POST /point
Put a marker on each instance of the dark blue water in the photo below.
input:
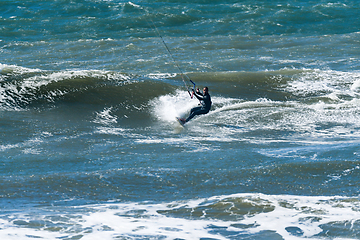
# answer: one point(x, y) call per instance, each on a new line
point(90, 148)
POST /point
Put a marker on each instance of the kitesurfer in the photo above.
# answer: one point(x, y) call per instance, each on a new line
point(205, 104)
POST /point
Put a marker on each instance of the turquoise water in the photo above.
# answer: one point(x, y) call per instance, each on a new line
point(90, 148)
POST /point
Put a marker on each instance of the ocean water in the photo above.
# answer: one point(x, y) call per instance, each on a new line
point(89, 144)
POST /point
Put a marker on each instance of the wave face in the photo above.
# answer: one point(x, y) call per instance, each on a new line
point(298, 99)
point(25, 89)
point(89, 144)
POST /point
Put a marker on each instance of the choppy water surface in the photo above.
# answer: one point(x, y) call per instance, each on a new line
point(90, 148)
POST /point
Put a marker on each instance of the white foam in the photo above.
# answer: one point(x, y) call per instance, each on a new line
point(6, 69)
point(161, 75)
point(134, 5)
point(112, 131)
point(325, 83)
point(200, 218)
point(167, 107)
point(355, 86)
point(104, 117)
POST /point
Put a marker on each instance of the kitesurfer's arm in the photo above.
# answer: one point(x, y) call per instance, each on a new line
point(198, 95)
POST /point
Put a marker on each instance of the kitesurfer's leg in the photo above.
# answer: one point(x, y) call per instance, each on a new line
point(192, 113)
point(196, 111)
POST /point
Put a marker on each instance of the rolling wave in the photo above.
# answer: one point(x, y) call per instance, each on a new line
point(283, 96)
point(22, 88)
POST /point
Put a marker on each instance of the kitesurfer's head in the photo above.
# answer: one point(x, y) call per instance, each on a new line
point(206, 90)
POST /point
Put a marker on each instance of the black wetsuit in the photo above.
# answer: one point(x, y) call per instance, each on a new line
point(205, 102)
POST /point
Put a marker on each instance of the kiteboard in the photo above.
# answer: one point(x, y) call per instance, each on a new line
point(182, 123)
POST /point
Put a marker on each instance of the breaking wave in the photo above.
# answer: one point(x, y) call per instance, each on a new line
point(220, 217)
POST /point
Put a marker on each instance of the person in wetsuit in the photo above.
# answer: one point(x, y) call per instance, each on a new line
point(205, 104)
